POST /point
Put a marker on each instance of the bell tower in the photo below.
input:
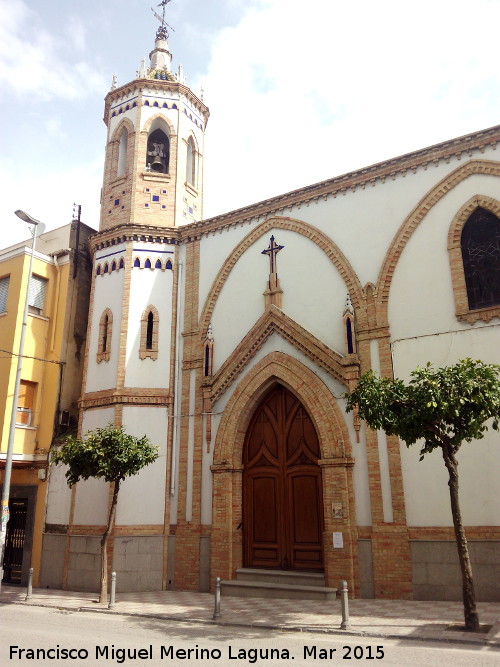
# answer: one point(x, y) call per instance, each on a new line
point(153, 171)
point(153, 184)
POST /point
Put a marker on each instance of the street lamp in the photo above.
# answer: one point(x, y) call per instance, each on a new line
point(40, 227)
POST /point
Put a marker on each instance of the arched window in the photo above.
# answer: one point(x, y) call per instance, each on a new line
point(122, 153)
point(158, 264)
point(191, 162)
point(137, 263)
point(105, 331)
point(147, 264)
point(149, 334)
point(106, 268)
point(113, 266)
point(158, 151)
point(168, 264)
point(98, 271)
point(122, 264)
point(349, 326)
point(480, 244)
point(350, 346)
point(208, 352)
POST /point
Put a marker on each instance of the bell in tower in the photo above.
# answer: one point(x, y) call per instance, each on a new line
point(158, 152)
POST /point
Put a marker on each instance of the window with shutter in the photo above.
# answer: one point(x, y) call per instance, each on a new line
point(36, 296)
point(26, 403)
point(4, 291)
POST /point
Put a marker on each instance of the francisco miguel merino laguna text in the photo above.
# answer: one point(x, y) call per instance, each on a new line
point(120, 655)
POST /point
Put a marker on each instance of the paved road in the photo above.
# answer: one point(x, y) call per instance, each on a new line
point(97, 639)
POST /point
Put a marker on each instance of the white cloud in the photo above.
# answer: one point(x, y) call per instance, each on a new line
point(49, 195)
point(38, 64)
point(300, 93)
point(76, 33)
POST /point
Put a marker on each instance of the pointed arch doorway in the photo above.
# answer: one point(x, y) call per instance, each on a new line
point(282, 486)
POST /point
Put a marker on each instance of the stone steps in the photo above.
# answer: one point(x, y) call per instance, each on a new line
point(278, 584)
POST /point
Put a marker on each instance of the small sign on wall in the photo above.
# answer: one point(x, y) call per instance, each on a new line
point(338, 541)
point(337, 511)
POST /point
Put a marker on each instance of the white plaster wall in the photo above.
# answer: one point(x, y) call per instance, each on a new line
point(58, 496)
point(91, 502)
point(215, 248)
point(424, 328)
point(383, 455)
point(347, 219)
point(108, 293)
point(426, 482)
point(277, 343)
point(173, 115)
point(150, 287)
point(421, 298)
point(313, 293)
point(142, 497)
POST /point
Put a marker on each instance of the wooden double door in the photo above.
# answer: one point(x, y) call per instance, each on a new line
point(282, 488)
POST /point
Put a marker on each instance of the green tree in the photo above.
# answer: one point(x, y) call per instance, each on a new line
point(107, 453)
point(441, 408)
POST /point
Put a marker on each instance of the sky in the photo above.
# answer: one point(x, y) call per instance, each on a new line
point(298, 92)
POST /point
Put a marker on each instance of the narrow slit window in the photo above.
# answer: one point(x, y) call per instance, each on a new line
point(105, 330)
point(149, 334)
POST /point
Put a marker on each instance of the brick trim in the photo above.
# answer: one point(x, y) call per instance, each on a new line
point(412, 221)
point(144, 351)
point(377, 173)
point(126, 396)
point(275, 321)
point(447, 533)
point(333, 252)
point(336, 463)
point(462, 310)
point(105, 333)
point(171, 128)
point(124, 122)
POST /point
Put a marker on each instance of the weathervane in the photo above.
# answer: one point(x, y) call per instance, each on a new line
point(162, 32)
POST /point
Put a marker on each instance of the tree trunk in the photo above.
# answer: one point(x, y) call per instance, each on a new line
point(103, 595)
point(469, 596)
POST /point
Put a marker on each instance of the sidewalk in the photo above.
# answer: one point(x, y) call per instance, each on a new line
point(371, 618)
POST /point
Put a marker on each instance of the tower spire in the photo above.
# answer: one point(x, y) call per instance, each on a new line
point(160, 57)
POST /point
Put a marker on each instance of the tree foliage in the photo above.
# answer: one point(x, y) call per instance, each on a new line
point(442, 408)
point(111, 454)
point(107, 453)
point(446, 405)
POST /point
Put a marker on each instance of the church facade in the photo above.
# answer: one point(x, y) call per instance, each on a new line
point(231, 341)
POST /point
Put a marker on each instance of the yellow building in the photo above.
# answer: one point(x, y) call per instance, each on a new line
point(50, 378)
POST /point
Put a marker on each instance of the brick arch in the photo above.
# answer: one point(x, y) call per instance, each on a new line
point(462, 310)
point(333, 252)
point(195, 141)
point(486, 167)
point(168, 123)
point(124, 123)
point(336, 464)
point(301, 381)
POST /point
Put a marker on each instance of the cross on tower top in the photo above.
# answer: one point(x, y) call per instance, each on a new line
point(272, 250)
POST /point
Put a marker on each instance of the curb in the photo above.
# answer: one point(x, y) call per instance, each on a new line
point(493, 643)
